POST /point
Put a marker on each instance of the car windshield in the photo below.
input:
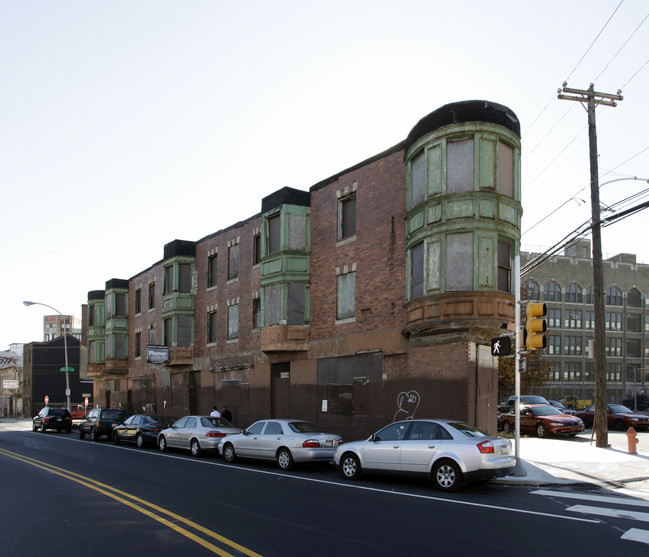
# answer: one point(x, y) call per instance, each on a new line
point(546, 411)
point(213, 421)
point(468, 430)
point(113, 415)
point(304, 427)
point(619, 409)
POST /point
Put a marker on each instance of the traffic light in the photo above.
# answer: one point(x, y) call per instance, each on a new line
point(535, 326)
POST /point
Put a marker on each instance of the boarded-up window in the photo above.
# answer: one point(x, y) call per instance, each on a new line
point(417, 271)
point(459, 166)
point(168, 330)
point(346, 296)
point(169, 279)
point(297, 232)
point(184, 336)
point(120, 346)
point(418, 174)
point(271, 305)
point(505, 169)
point(233, 262)
point(233, 321)
point(459, 262)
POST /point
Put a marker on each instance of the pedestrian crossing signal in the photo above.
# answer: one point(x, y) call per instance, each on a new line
point(501, 346)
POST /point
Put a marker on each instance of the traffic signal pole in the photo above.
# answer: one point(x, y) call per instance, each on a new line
point(519, 469)
point(591, 99)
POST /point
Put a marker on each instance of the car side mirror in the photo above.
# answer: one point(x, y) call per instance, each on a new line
point(245, 432)
point(373, 438)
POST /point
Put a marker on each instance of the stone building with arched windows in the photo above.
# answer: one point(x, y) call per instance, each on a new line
point(565, 284)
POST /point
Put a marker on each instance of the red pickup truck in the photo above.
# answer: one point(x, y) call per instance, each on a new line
point(78, 413)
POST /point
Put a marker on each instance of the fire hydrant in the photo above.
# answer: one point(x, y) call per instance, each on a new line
point(632, 440)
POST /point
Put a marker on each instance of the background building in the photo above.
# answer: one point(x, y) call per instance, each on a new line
point(564, 283)
point(55, 325)
point(370, 298)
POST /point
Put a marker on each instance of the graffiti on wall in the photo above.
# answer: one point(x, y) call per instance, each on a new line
point(407, 404)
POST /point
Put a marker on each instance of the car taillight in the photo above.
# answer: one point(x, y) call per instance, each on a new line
point(155, 429)
point(46, 419)
point(486, 447)
point(215, 434)
point(311, 443)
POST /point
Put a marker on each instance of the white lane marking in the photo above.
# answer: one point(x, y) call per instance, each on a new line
point(636, 535)
point(595, 498)
point(615, 513)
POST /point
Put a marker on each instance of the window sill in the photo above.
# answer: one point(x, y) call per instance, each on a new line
point(345, 321)
point(345, 241)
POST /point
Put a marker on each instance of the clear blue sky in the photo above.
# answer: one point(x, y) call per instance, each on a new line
point(127, 124)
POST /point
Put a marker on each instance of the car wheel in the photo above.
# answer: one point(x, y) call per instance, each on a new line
point(284, 459)
point(541, 430)
point(350, 466)
point(162, 444)
point(139, 441)
point(82, 434)
point(43, 428)
point(619, 425)
point(195, 448)
point(68, 429)
point(228, 453)
point(93, 435)
point(34, 427)
point(447, 475)
point(507, 427)
point(115, 438)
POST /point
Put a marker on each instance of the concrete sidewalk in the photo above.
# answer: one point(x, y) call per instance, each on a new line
point(577, 460)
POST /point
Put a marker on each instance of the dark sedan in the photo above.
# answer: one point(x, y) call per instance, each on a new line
point(141, 429)
point(618, 416)
point(544, 420)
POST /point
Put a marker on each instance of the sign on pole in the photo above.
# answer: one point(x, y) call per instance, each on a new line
point(47, 399)
point(501, 346)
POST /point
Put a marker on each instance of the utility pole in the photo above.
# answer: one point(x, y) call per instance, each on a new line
point(590, 99)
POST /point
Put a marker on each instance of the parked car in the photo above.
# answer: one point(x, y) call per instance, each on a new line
point(561, 407)
point(141, 429)
point(100, 422)
point(544, 420)
point(52, 418)
point(450, 452)
point(285, 441)
point(618, 417)
point(574, 403)
point(196, 434)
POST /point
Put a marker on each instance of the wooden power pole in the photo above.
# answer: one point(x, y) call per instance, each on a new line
point(590, 99)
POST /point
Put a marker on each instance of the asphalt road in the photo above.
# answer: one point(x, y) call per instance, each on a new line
point(61, 495)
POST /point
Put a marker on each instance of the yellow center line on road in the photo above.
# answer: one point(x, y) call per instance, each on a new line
point(138, 505)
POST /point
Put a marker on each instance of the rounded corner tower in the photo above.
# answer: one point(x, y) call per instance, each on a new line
point(463, 221)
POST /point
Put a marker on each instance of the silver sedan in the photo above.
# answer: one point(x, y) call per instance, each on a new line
point(448, 451)
point(196, 434)
point(285, 441)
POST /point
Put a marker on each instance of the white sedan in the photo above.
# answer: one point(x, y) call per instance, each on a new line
point(285, 441)
point(448, 451)
point(196, 434)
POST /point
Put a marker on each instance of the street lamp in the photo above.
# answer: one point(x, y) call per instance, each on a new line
point(65, 348)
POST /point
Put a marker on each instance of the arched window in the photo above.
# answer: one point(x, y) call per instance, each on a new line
point(574, 293)
point(634, 298)
point(613, 296)
point(552, 292)
point(532, 290)
point(590, 295)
